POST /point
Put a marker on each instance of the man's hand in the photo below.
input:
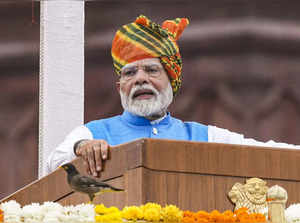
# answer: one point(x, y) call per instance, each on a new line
point(93, 152)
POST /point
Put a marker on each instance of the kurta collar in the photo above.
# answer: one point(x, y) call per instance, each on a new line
point(139, 120)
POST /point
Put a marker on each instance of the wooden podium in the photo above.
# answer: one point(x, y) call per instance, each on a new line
point(191, 175)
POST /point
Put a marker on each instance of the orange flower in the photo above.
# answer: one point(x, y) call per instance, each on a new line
point(188, 219)
point(202, 214)
point(229, 219)
point(228, 213)
point(239, 216)
point(241, 210)
point(215, 216)
point(202, 220)
point(259, 217)
point(242, 215)
point(1, 216)
point(188, 214)
point(229, 216)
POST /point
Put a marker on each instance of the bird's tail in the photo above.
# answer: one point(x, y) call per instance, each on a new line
point(116, 189)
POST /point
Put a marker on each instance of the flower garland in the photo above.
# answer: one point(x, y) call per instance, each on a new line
point(152, 212)
point(50, 212)
point(149, 212)
point(240, 215)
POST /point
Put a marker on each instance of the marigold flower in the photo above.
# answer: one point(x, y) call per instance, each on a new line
point(100, 209)
point(228, 216)
point(229, 219)
point(1, 216)
point(152, 214)
point(215, 216)
point(228, 213)
point(132, 213)
point(112, 217)
point(188, 219)
point(188, 214)
point(171, 213)
point(202, 214)
point(151, 205)
point(259, 217)
point(247, 218)
point(241, 210)
point(201, 220)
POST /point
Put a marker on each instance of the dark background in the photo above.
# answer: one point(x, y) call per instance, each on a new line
point(240, 70)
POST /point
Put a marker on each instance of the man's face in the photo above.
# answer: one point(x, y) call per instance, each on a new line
point(145, 88)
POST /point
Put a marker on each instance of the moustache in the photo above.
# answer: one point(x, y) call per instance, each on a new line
point(143, 90)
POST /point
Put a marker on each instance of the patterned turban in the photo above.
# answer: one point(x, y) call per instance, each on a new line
point(145, 39)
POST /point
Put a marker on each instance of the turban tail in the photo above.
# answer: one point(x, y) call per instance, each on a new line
point(145, 39)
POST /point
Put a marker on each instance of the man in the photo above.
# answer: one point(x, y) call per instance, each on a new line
point(146, 57)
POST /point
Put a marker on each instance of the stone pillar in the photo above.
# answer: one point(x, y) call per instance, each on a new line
point(61, 103)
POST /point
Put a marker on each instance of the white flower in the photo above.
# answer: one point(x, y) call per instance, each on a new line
point(52, 206)
point(32, 213)
point(10, 206)
point(49, 212)
point(292, 213)
point(86, 210)
point(53, 216)
point(12, 211)
point(83, 213)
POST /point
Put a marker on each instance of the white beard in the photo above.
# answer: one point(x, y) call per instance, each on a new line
point(155, 106)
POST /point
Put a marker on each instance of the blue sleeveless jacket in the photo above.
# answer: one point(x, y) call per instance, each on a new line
point(128, 127)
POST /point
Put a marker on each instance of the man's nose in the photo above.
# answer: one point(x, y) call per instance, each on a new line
point(141, 77)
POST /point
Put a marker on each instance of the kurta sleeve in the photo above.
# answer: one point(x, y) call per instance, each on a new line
point(64, 152)
point(220, 135)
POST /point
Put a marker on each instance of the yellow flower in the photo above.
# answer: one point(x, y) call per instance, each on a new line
point(151, 205)
point(111, 218)
point(132, 213)
point(152, 214)
point(112, 209)
point(99, 218)
point(171, 213)
point(101, 209)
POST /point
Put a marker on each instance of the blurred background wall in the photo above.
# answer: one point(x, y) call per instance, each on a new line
point(240, 70)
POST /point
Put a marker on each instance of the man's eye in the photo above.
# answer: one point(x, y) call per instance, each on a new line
point(151, 69)
point(129, 72)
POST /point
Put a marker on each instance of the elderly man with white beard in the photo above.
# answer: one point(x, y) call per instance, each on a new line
point(146, 57)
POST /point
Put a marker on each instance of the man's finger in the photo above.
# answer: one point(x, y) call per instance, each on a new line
point(104, 149)
point(97, 150)
point(91, 160)
point(84, 156)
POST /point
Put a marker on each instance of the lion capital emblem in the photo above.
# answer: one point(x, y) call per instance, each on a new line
point(252, 195)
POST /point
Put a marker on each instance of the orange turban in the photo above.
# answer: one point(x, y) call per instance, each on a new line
point(145, 39)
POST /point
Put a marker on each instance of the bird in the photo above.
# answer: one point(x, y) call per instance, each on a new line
point(86, 184)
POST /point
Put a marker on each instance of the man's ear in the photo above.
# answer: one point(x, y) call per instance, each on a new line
point(118, 86)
